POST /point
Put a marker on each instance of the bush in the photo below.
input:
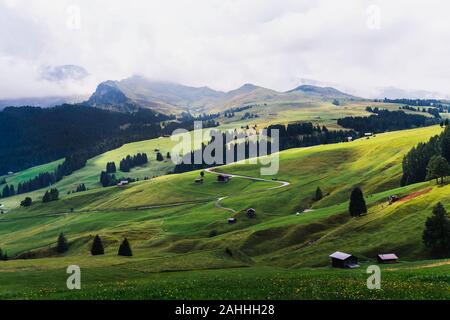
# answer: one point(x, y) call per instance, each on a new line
point(26, 202)
point(212, 233)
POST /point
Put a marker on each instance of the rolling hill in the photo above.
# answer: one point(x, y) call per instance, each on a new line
point(170, 222)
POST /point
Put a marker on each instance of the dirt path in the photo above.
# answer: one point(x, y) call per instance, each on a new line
point(415, 195)
point(217, 203)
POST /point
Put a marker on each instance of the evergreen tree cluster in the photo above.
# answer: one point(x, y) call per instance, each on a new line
point(107, 179)
point(413, 102)
point(385, 120)
point(8, 191)
point(81, 188)
point(91, 130)
point(230, 113)
point(45, 179)
point(50, 195)
point(111, 167)
point(98, 249)
point(129, 162)
point(417, 160)
point(290, 136)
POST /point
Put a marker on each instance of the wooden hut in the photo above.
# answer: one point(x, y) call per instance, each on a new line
point(387, 258)
point(343, 260)
point(123, 183)
point(223, 178)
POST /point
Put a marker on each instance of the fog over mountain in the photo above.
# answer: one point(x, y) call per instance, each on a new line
point(359, 45)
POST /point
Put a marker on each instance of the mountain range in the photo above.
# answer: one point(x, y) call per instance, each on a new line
point(136, 92)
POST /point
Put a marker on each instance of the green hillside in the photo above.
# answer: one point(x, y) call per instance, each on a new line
point(175, 224)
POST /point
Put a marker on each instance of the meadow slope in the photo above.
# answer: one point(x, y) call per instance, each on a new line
point(175, 224)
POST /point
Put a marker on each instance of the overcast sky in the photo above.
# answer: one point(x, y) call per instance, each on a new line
point(223, 44)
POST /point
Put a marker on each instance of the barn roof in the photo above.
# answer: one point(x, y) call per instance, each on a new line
point(340, 255)
point(388, 256)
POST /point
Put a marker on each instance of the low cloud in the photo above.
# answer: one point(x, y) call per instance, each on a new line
point(358, 45)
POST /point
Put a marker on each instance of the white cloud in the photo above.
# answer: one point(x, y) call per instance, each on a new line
point(225, 43)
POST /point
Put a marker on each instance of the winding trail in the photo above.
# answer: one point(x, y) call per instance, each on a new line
point(217, 203)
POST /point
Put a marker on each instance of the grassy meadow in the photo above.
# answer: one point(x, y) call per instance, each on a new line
point(176, 225)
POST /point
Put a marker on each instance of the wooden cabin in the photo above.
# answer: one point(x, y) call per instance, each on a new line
point(199, 181)
point(223, 178)
point(123, 183)
point(387, 258)
point(343, 260)
point(232, 220)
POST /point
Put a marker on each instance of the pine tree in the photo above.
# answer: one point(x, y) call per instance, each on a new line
point(159, 157)
point(1, 254)
point(62, 245)
point(125, 249)
point(436, 235)
point(319, 195)
point(54, 194)
point(445, 143)
point(97, 246)
point(111, 167)
point(438, 167)
point(5, 192)
point(357, 204)
point(47, 197)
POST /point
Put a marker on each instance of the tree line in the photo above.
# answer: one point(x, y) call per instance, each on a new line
point(291, 136)
point(412, 102)
point(32, 136)
point(385, 120)
point(45, 179)
point(130, 162)
point(428, 160)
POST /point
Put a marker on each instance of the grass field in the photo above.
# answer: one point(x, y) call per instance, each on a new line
point(278, 254)
point(422, 280)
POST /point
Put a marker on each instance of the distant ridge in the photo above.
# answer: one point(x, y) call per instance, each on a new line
point(322, 91)
point(130, 94)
